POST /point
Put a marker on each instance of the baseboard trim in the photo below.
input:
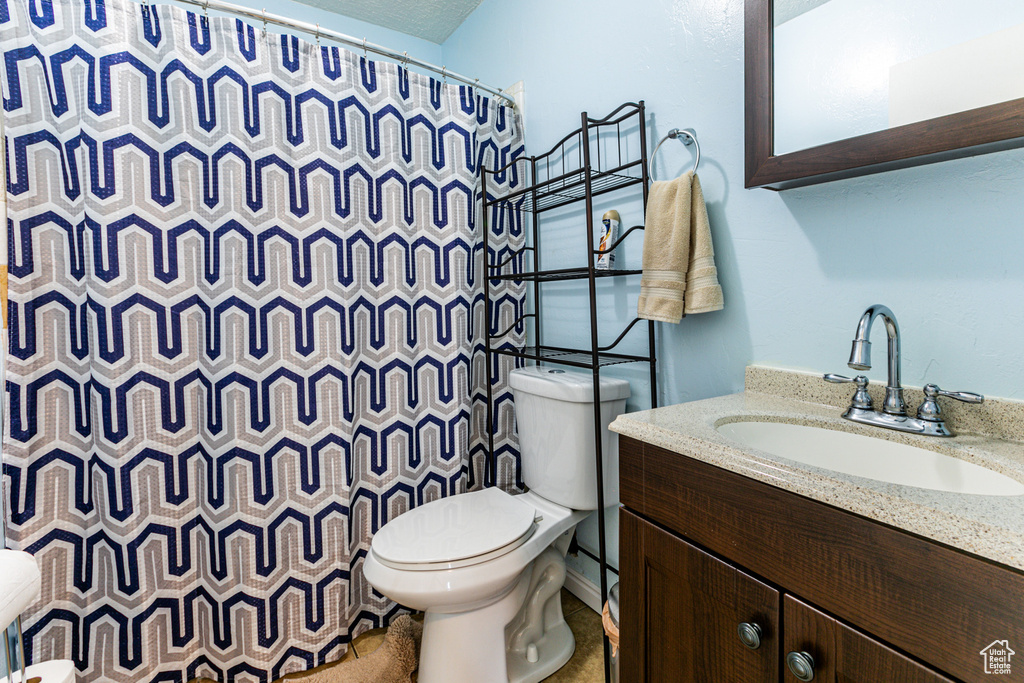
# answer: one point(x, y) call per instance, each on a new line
point(584, 589)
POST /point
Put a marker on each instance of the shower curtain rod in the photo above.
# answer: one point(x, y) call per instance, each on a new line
point(316, 30)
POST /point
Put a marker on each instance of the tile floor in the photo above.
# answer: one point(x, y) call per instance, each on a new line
point(586, 665)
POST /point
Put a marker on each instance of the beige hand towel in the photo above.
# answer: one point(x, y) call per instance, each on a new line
point(679, 261)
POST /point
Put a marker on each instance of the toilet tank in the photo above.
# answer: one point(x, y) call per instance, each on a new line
point(555, 418)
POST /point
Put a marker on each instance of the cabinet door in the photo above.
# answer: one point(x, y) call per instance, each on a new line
point(681, 611)
point(841, 654)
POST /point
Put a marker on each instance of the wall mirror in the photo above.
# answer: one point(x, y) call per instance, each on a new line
point(839, 88)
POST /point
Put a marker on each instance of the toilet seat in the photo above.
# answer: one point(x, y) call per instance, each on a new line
point(457, 531)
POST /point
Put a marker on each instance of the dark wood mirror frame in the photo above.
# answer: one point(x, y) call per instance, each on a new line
point(977, 131)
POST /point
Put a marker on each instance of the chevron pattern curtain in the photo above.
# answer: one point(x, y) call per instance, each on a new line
point(246, 329)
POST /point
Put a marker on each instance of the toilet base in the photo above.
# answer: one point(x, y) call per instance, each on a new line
point(538, 641)
point(494, 644)
point(554, 650)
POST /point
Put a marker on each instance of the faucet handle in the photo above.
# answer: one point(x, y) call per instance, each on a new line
point(930, 410)
point(931, 391)
point(861, 399)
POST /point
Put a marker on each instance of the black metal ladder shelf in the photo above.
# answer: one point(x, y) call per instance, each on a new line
point(578, 168)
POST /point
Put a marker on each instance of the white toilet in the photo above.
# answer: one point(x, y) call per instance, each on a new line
point(487, 567)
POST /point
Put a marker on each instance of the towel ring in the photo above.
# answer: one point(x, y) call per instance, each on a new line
point(689, 136)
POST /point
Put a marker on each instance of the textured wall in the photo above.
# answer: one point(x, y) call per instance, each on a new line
point(942, 245)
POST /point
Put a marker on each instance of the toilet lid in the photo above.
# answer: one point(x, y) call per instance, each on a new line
point(455, 528)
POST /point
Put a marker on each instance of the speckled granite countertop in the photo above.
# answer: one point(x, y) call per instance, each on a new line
point(988, 526)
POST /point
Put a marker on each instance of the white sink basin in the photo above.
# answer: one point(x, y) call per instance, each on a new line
point(864, 456)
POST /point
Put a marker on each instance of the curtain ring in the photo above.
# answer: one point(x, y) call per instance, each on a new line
point(317, 33)
point(444, 74)
point(264, 22)
point(206, 12)
point(366, 57)
point(406, 60)
point(504, 102)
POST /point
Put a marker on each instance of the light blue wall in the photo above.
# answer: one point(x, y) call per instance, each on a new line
point(942, 245)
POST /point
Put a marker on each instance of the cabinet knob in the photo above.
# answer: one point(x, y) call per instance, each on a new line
point(801, 665)
point(750, 634)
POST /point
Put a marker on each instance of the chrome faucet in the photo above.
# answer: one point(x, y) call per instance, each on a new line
point(860, 355)
point(893, 415)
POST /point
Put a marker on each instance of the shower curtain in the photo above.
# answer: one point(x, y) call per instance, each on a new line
point(246, 329)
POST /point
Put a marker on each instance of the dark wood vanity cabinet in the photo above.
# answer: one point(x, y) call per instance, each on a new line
point(704, 551)
point(676, 591)
point(842, 654)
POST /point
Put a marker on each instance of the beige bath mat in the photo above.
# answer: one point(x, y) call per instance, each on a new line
point(392, 662)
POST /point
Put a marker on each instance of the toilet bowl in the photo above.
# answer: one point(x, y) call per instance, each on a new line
point(487, 567)
point(470, 600)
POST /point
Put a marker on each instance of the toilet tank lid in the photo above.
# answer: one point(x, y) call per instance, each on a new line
point(566, 385)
